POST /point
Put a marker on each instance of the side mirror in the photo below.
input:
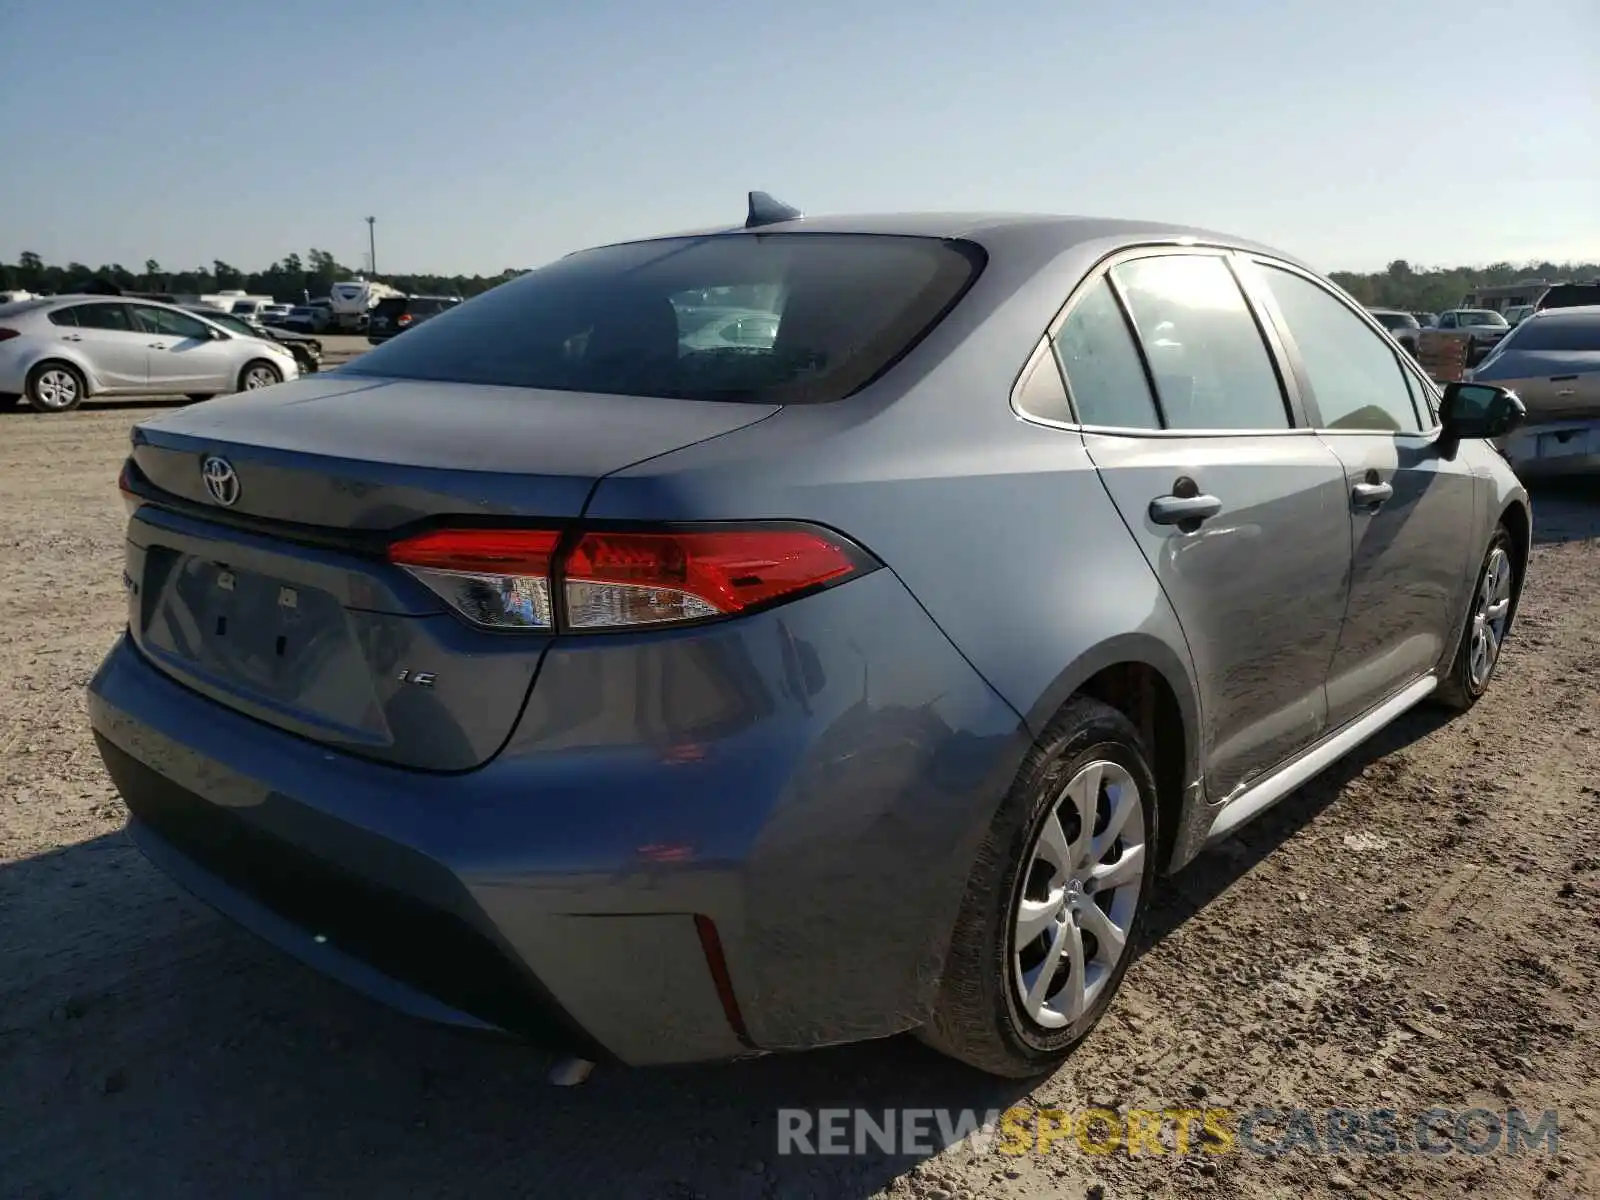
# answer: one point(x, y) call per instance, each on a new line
point(1477, 411)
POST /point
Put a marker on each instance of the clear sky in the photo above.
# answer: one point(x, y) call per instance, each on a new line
point(491, 133)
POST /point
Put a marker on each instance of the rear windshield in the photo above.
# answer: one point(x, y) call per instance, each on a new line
point(389, 306)
point(1396, 320)
point(1570, 295)
point(631, 320)
point(1479, 316)
point(1555, 333)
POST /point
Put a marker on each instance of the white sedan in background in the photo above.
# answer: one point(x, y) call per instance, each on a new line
point(57, 351)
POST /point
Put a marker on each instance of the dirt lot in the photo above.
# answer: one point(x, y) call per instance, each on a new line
point(1419, 927)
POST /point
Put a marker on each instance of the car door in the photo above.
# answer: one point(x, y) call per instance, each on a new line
point(1411, 510)
point(184, 355)
point(1239, 511)
point(116, 350)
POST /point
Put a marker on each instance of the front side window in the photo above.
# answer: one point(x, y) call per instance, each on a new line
point(168, 323)
point(616, 319)
point(1210, 363)
point(104, 316)
point(231, 323)
point(1105, 378)
point(1355, 377)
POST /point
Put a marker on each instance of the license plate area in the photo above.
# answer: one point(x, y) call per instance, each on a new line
point(1566, 442)
point(255, 631)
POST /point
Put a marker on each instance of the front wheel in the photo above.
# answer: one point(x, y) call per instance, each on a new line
point(257, 375)
point(1488, 620)
point(54, 387)
point(1055, 902)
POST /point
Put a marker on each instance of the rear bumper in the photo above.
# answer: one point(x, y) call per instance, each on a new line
point(813, 780)
point(1553, 449)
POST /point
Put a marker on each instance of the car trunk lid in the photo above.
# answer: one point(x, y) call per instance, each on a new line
point(280, 604)
point(1554, 385)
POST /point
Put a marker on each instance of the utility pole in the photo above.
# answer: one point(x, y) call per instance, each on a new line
point(372, 245)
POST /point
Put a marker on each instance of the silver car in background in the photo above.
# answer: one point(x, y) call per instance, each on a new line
point(57, 351)
point(1552, 361)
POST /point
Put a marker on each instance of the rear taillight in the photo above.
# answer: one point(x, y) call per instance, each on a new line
point(499, 578)
point(404, 319)
point(623, 579)
point(130, 499)
point(7, 334)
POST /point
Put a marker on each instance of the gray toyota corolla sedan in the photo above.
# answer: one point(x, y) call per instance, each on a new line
point(552, 670)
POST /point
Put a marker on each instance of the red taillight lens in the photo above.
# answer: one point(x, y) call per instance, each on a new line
point(497, 578)
point(619, 579)
point(7, 334)
point(505, 579)
point(405, 319)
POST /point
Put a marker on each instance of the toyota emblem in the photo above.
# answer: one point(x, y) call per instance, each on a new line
point(221, 480)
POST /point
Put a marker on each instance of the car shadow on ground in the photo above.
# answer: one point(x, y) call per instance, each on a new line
point(94, 404)
point(150, 1048)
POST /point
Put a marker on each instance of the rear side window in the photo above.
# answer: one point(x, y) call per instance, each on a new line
point(103, 316)
point(1355, 377)
point(833, 312)
point(64, 316)
point(1211, 366)
point(1105, 378)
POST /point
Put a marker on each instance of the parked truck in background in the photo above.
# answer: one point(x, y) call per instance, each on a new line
point(354, 299)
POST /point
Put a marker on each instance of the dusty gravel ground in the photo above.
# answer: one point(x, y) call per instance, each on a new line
point(1419, 927)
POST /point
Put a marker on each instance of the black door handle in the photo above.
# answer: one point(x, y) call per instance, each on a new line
point(1184, 510)
point(1367, 495)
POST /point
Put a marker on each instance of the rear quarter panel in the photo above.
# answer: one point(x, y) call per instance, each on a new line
point(1000, 528)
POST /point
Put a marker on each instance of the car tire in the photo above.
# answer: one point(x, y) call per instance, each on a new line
point(55, 387)
point(258, 373)
point(1490, 608)
point(992, 1012)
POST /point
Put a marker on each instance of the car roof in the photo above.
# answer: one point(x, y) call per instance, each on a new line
point(1039, 234)
point(1581, 312)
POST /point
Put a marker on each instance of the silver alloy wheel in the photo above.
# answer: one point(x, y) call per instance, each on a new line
point(259, 377)
point(56, 388)
point(1079, 895)
point(1490, 611)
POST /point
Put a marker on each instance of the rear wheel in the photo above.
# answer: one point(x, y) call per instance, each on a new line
point(1487, 622)
point(1056, 901)
point(55, 387)
point(259, 374)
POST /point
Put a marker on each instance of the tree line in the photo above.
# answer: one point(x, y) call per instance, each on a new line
point(291, 281)
point(295, 279)
point(1431, 289)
